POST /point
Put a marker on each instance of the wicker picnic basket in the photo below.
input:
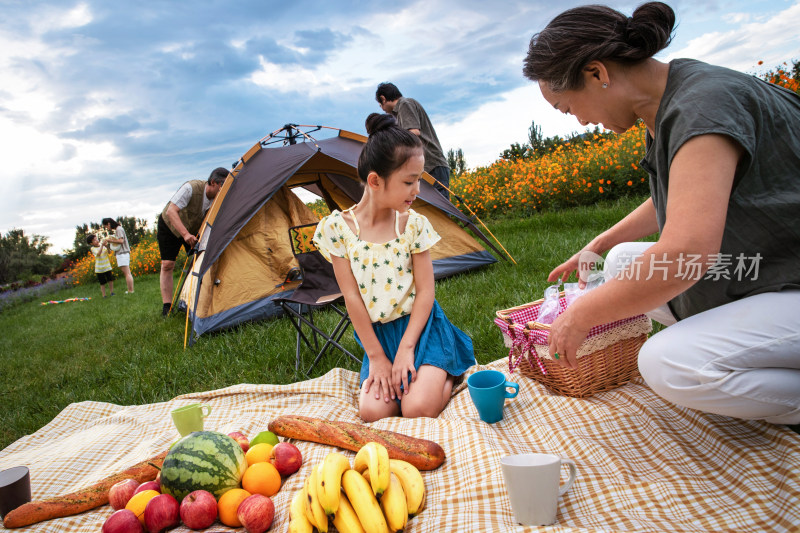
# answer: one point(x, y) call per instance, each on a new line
point(607, 358)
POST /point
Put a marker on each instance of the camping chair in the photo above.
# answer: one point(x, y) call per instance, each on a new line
point(317, 290)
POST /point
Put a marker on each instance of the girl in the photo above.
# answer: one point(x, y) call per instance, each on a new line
point(379, 249)
point(124, 251)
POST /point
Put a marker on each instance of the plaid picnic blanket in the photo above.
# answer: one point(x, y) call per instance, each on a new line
point(643, 464)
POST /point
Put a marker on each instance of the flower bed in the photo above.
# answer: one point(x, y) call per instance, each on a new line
point(578, 173)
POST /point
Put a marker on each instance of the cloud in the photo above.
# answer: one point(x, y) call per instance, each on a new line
point(132, 99)
point(771, 39)
point(59, 18)
point(485, 132)
point(106, 127)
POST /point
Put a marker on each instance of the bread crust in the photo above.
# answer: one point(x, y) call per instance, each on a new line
point(81, 500)
point(424, 454)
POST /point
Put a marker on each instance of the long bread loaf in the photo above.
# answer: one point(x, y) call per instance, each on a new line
point(424, 454)
point(81, 500)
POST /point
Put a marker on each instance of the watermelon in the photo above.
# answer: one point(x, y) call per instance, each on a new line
point(203, 460)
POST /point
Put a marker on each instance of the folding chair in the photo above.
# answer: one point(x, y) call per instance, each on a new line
point(317, 290)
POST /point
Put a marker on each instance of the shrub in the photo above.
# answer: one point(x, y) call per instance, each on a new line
point(17, 293)
point(580, 172)
point(320, 208)
point(784, 75)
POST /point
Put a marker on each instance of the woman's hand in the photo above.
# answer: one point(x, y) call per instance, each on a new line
point(380, 378)
point(566, 335)
point(403, 364)
point(565, 269)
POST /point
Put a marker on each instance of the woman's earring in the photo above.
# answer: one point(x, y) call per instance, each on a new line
point(605, 86)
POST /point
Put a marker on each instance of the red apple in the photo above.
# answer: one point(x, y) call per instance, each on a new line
point(256, 513)
point(148, 485)
point(198, 509)
point(122, 521)
point(121, 492)
point(286, 458)
point(162, 512)
point(241, 439)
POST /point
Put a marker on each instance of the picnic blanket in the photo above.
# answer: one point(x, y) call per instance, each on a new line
point(643, 464)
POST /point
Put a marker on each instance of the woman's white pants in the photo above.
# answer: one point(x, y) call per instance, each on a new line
point(741, 359)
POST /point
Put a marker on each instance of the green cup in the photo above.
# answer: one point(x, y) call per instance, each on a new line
point(189, 418)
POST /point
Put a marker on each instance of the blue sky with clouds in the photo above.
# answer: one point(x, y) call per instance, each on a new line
point(107, 107)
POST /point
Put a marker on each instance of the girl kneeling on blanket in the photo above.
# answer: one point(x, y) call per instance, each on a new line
point(379, 249)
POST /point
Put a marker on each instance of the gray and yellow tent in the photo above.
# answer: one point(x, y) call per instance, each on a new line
point(246, 257)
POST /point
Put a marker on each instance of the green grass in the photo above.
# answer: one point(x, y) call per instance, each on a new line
point(120, 350)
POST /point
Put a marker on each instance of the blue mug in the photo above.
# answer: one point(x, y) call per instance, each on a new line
point(487, 388)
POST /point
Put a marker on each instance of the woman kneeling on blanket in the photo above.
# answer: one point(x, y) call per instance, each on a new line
point(723, 154)
point(380, 254)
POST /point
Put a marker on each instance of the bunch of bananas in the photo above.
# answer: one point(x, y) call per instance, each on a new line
point(377, 495)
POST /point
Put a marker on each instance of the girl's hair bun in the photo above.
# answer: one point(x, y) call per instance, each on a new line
point(380, 121)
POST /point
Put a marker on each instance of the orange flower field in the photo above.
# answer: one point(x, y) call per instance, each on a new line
point(578, 173)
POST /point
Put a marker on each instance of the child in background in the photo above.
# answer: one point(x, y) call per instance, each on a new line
point(379, 249)
point(119, 243)
point(102, 264)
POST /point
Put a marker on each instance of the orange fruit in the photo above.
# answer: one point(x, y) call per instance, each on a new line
point(229, 504)
point(262, 478)
point(258, 453)
point(139, 501)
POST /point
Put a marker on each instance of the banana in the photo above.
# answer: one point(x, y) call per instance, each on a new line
point(393, 503)
point(314, 511)
point(307, 504)
point(373, 456)
point(329, 482)
point(346, 519)
point(360, 495)
point(413, 485)
point(298, 523)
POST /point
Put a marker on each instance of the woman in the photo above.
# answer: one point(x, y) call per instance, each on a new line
point(123, 253)
point(723, 154)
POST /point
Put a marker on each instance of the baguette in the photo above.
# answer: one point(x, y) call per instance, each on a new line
point(424, 454)
point(81, 500)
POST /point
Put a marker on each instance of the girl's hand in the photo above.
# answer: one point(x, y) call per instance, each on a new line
point(566, 336)
point(403, 364)
point(379, 380)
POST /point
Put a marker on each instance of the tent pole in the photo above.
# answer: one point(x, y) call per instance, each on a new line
point(179, 287)
point(186, 327)
point(476, 218)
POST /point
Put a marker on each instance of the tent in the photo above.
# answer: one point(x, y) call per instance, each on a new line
point(245, 260)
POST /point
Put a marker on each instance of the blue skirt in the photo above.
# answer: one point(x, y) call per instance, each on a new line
point(441, 344)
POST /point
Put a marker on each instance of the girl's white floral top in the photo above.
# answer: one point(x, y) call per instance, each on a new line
point(382, 271)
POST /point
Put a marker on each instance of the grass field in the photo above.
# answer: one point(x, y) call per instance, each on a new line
point(120, 350)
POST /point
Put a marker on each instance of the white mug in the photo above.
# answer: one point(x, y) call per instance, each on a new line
point(533, 484)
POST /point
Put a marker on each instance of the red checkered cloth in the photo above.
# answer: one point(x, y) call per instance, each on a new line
point(521, 340)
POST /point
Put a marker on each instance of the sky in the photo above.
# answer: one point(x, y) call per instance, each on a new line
point(106, 107)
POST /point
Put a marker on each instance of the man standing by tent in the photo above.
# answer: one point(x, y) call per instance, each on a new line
point(179, 223)
point(410, 115)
